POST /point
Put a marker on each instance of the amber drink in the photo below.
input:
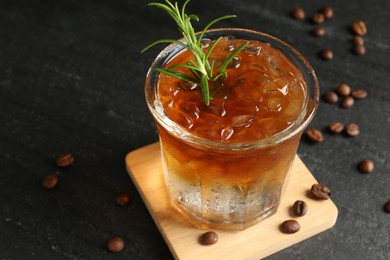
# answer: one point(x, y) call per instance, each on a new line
point(225, 163)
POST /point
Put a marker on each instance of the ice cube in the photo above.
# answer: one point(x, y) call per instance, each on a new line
point(220, 92)
point(187, 85)
point(219, 60)
point(245, 134)
point(278, 84)
point(208, 132)
point(270, 126)
point(227, 43)
point(216, 107)
point(274, 70)
point(253, 49)
point(295, 102)
point(234, 63)
point(241, 107)
point(242, 121)
point(205, 42)
point(275, 101)
point(226, 133)
point(191, 109)
point(248, 84)
point(185, 121)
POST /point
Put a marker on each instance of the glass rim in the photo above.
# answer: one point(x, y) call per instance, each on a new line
point(306, 115)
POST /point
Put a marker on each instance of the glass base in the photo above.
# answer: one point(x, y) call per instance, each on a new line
point(205, 223)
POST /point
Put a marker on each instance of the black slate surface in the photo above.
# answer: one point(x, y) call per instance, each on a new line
point(71, 79)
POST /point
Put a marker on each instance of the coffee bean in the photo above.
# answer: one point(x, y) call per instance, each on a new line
point(319, 31)
point(336, 127)
point(299, 208)
point(290, 226)
point(352, 129)
point(359, 93)
point(366, 166)
point(315, 135)
point(208, 238)
point(347, 102)
point(359, 50)
point(387, 207)
point(64, 160)
point(327, 11)
point(115, 244)
point(318, 18)
point(50, 181)
point(331, 97)
point(123, 199)
point(343, 90)
point(359, 28)
point(298, 13)
point(326, 54)
point(320, 191)
point(358, 40)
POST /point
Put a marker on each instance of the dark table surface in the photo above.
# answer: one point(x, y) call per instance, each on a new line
point(72, 77)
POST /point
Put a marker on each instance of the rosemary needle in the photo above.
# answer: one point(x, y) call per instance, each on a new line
point(201, 69)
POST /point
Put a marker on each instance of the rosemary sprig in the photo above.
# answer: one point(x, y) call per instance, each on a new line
point(201, 69)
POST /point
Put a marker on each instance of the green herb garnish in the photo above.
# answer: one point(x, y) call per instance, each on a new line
point(201, 69)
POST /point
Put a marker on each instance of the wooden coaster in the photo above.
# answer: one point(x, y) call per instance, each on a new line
point(261, 240)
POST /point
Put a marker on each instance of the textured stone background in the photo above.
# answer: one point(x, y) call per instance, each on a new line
point(71, 79)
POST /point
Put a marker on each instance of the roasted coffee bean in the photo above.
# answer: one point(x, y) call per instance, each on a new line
point(318, 18)
point(298, 13)
point(366, 166)
point(50, 181)
point(347, 102)
point(359, 28)
point(64, 160)
point(299, 208)
point(336, 127)
point(290, 226)
point(343, 90)
point(319, 31)
point(331, 97)
point(327, 11)
point(115, 244)
point(315, 135)
point(208, 238)
point(326, 54)
point(123, 199)
point(358, 40)
point(387, 207)
point(352, 129)
point(359, 50)
point(320, 191)
point(359, 93)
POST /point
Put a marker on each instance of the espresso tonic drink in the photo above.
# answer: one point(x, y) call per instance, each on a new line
point(225, 163)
